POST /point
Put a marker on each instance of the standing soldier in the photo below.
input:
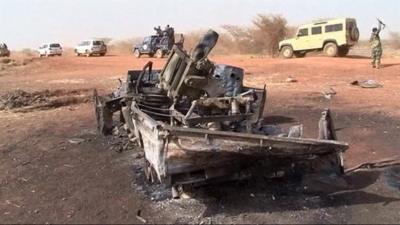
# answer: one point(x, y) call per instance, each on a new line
point(158, 31)
point(181, 41)
point(376, 46)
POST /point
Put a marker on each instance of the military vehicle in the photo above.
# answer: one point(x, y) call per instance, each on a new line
point(158, 45)
point(197, 123)
point(153, 46)
point(334, 37)
point(4, 52)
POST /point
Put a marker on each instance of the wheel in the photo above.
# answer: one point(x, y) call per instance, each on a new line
point(331, 49)
point(102, 54)
point(299, 54)
point(343, 51)
point(159, 53)
point(103, 115)
point(136, 53)
point(354, 34)
point(287, 52)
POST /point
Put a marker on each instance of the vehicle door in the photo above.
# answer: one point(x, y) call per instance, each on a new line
point(80, 47)
point(44, 49)
point(146, 45)
point(315, 40)
point(40, 50)
point(301, 42)
point(85, 46)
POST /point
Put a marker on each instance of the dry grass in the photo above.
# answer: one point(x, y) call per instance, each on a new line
point(394, 40)
point(262, 37)
point(123, 46)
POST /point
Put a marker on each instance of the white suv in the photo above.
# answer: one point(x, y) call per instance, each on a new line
point(91, 47)
point(50, 50)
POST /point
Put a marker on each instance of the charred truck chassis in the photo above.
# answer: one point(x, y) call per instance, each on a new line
point(196, 123)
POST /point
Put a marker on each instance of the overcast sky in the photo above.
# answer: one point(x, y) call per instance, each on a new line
point(29, 23)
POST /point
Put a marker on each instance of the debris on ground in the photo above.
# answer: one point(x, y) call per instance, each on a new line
point(291, 80)
point(26, 101)
point(140, 217)
point(120, 142)
point(381, 163)
point(76, 140)
point(329, 93)
point(367, 84)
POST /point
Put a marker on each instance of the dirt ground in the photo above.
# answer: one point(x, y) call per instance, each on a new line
point(56, 169)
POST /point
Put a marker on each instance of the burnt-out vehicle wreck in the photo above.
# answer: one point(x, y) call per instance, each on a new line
point(197, 123)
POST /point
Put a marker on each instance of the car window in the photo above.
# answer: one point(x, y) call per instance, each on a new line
point(154, 41)
point(45, 46)
point(303, 32)
point(97, 43)
point(146, 40)
point(316, 30)
point(55, 45)
point(333, 28)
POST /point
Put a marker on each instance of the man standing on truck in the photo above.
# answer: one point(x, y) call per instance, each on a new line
point(158, 31)
point(376, 46)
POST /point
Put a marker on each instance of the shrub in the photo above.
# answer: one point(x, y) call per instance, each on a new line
point(263, 37)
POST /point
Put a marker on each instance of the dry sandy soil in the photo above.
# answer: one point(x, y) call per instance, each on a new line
point(46, 179)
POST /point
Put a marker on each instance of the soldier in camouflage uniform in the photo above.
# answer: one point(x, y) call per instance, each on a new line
point(376, 46)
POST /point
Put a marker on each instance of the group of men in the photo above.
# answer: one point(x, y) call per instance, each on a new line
point(376, 46)
point(168, 34)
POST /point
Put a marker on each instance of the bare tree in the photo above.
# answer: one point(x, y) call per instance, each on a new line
point(263, 37)
point(242, 40)
point(269, 31)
